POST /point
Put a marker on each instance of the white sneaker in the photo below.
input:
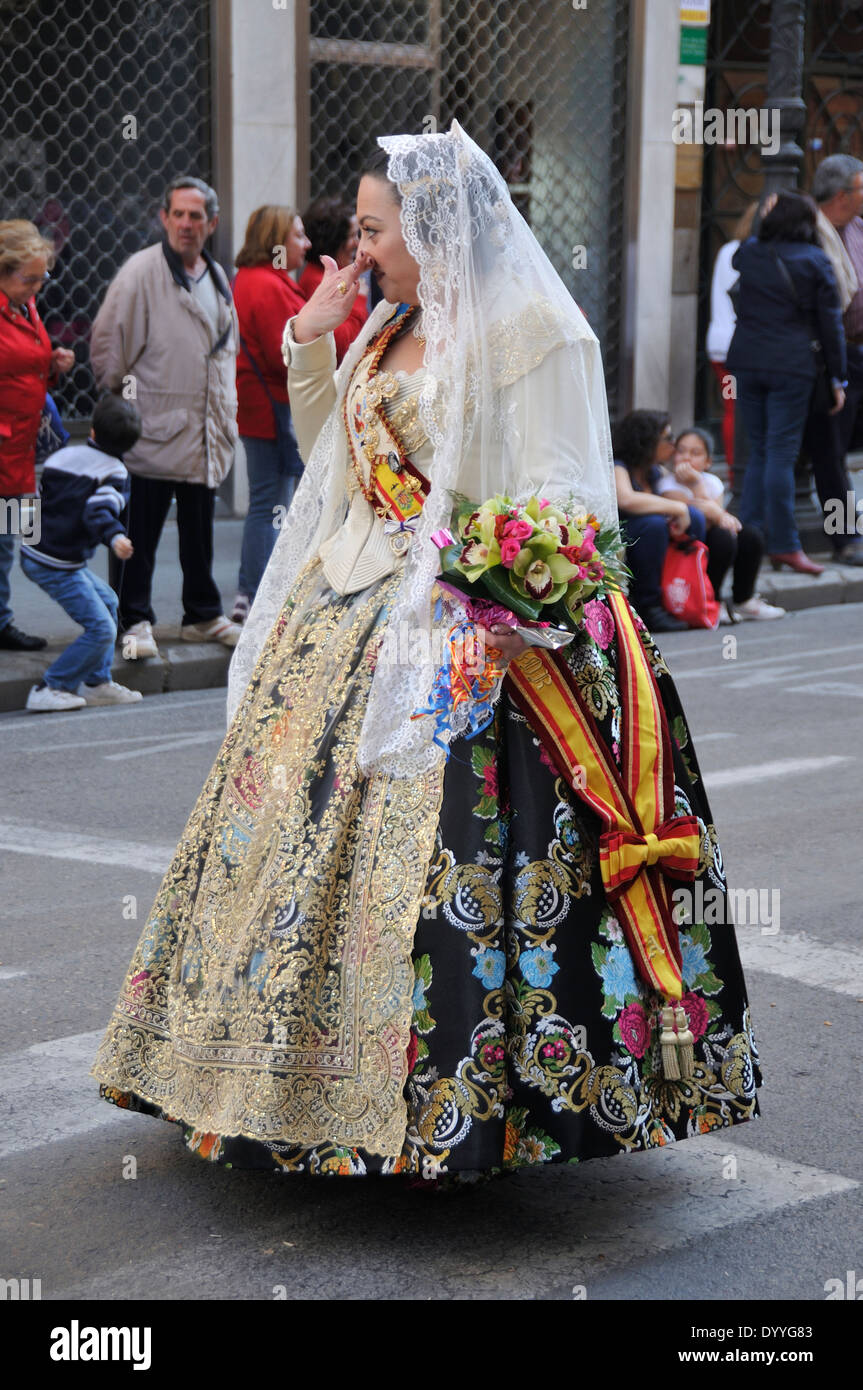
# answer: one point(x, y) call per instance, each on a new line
point(240, 610)
point(755, 607)
point(138, 642)
point(47, 700)
point(727, 616)
point(109, 693)
point(218, 630)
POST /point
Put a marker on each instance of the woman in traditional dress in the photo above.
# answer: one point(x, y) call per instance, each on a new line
point(384, 946)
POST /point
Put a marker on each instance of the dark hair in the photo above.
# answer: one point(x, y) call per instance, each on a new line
point(635, 437)
point(792, 218)
point(116, 425)
point(211, 198)
point(704, 435)
point(376, 167)
point(327, 222)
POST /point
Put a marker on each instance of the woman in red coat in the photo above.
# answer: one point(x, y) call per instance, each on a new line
point(28, 365)
point(332, 228)
point(266, 295)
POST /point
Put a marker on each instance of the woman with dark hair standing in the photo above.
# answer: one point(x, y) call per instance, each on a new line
point(332, 228)
point(788, 298)
point(643, 443)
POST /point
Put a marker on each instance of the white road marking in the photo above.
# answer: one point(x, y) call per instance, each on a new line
point(7, 973)
point(842, 688)
point(763, 772)
point(150, 705)
point(797, 956)
point(628, 1209)
point(48, 1094)
point(100, 742)
point(180, 741)
point(744, 680)
point(88, 849)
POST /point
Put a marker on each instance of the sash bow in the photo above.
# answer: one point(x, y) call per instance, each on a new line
point(674, 846)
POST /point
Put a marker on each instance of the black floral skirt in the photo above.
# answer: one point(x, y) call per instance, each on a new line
point(353, 976)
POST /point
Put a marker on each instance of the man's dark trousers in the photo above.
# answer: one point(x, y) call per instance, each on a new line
point(148, 507)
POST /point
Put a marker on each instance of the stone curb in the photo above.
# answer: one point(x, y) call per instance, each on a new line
point(180, 666)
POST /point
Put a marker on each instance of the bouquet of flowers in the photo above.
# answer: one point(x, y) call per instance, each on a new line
point(535, 560)
point(507, 562)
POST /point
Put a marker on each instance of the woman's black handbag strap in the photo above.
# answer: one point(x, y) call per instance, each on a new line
point(258, 373)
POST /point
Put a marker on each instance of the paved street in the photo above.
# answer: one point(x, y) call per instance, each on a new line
point(92, 808)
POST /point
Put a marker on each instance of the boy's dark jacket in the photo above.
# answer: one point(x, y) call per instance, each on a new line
point(82, 494)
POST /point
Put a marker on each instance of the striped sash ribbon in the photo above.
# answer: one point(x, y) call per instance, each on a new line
point(643, 844)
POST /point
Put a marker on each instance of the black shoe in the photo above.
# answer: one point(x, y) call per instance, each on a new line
point(659, 620)
point(12, 639)
point(850, 554)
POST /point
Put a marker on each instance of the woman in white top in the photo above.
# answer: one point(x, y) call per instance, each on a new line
point(731, 545)
point(721, 328)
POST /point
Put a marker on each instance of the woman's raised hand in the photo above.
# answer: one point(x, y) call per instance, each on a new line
point(331, 302)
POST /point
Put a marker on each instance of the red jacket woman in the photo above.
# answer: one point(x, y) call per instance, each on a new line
point(25, 370)
point(266, 296)
point(27, 366)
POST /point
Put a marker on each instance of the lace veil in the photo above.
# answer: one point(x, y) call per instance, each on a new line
point(513, 402)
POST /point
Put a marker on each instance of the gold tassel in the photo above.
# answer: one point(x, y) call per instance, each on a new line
point(685, 1043)
point(668, 1040)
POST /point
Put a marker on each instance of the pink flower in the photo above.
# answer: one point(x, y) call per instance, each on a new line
point(696, 1013)
point(634, 1028)
point(599, 623)
point(412, 1049)
point(519, 530)
point(489, 774)
point(509, 549)
point(544, 758)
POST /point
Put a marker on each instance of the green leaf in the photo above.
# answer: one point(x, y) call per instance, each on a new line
point(708, 984)
point(496, 584)
point(610, 1007)
point(480, 759)
point(487, 808)
point(599, 955)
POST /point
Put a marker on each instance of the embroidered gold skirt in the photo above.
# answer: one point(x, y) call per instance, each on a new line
point(347, 975)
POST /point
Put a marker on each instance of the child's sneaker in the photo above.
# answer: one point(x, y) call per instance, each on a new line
point(46, 700)
point(109, 693)
point(138, 642)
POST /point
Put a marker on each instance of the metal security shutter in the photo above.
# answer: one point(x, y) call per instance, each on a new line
point(539, 84)
point(103, 102)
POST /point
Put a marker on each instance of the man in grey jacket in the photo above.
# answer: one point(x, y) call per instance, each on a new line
point(166, 337)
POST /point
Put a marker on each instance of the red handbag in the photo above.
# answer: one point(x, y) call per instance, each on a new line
point(687, 593)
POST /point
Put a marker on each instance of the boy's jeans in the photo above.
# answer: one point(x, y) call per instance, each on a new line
point(90, 602)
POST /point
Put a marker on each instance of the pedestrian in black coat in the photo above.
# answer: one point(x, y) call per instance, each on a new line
point(787, 299)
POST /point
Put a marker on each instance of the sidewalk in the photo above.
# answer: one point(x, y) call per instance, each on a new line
point(187, 666)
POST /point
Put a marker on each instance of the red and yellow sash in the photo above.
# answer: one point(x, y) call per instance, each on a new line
point(644, 843)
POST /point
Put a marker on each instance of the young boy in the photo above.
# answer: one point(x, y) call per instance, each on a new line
point(84, 489)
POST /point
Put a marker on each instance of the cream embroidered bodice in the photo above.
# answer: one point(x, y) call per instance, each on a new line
point(359, 553)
